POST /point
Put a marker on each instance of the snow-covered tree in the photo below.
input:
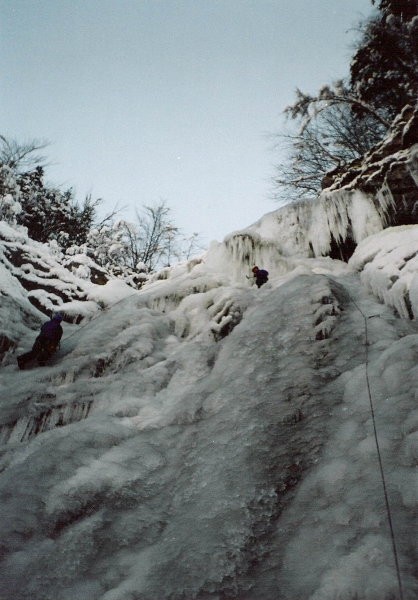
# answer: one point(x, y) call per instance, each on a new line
point(157, 235)
point(50, 213)
point(384, 69)
point(152, 242)
point(106, 245)
point(125, 249)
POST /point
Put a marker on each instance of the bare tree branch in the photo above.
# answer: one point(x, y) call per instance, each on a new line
point(22, 156)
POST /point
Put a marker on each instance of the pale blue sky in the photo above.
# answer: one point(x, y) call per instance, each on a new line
point(144, 100)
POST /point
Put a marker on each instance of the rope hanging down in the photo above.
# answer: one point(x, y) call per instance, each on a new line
point(379, 455)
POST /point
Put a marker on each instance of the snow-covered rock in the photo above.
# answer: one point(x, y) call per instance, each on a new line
point(388, 172)
point(37, 280)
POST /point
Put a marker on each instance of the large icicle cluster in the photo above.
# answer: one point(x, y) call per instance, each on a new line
point(309, 228)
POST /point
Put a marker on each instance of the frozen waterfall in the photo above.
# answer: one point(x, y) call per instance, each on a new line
point(202, 466)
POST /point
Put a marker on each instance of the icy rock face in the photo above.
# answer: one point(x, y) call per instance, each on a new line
point(27, 427)
point(388, 265)
point(205, 466)
point(363, 199)
point(309, 228)
point(389, 170)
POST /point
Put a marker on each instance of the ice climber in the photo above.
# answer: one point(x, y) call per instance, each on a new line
point(45, 344)
point(261, 276)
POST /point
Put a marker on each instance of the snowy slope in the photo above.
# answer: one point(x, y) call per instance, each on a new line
point(203, 438)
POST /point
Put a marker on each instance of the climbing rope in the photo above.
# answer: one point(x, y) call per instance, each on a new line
point(379, 455)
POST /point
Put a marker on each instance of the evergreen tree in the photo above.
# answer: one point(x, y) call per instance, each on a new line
point(384, 69)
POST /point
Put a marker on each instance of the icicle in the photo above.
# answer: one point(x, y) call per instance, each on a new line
point(366, 217)
point(412, 164)
point(28, 427)
point(307, 228)
point(247, 248)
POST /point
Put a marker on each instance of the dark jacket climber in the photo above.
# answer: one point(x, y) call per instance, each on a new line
point(45, 344)
point(261, 276)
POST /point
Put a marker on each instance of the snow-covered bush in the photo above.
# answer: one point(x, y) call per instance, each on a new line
point(10, 206)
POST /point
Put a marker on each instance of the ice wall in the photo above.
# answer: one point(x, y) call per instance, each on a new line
point(388, 266)
point(46, 418)
point(276, 242)
point(305, 229)
point(207, 467)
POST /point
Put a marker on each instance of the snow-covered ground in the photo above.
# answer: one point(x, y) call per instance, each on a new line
point(205, 439)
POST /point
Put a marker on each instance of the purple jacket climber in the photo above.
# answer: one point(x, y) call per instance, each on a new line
point(45, 344)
